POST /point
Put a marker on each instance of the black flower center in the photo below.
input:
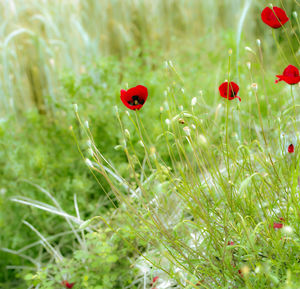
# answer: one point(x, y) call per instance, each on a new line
point(136, 100)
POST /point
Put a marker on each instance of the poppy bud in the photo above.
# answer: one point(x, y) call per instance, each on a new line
point(127, 133)
point(75, 107)
point(295, 14)
point(258, 42)
point(181, 120)
point(291, 149)
point(187, 130)
point(194, 101)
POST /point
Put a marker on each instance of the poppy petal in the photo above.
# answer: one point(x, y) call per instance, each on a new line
point(275, 17)
point(135, 97)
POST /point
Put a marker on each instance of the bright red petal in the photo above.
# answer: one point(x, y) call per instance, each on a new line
point(291, 70)
point(126, 96)
point(275, 17)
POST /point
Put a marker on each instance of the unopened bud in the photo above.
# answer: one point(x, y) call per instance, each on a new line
point(75, 107)
point(249, 49)
point(258, 42)
point(86, 123)
point(127, 133)
point(202, 139)
point(194, 101)
point(187, 130)
point(249, 65)
point(181, 121)
point(229, 51)
point(295, 14)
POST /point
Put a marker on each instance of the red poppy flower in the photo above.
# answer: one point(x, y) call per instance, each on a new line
point(275, 17)
point(67, 284)
point(290, 75)
point(277, 226)
point(230, 243)
point(232, 90)
point(291, 149)
point(135, 97)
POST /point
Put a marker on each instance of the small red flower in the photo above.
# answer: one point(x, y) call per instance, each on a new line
point(135, 97)
point(275, 17)
point(277, 226)
point(241, 273)
point(153, 282)
point(290, 75)
point(230, 243)
point(232, 90)
point(291, 149)
point(67, 284)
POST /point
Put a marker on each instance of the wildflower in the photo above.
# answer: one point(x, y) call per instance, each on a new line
point(277, 226)
point(230, 243)
point(233, 90)
point(290, 75)
point(153, 282)
point(274, 17)
point(67, 284)
point(291, 148)
point(135, 97)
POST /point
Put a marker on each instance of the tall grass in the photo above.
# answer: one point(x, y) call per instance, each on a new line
point(201, 197)
point(40, 38)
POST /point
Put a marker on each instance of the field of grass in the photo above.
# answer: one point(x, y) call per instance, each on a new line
point(195, 189)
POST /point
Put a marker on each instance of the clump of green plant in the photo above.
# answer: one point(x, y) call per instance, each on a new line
point(103, 262)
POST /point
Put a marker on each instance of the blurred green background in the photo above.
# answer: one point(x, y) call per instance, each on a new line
point(55, 53)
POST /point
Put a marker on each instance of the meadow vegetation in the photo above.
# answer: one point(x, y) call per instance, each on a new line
point(194, 189)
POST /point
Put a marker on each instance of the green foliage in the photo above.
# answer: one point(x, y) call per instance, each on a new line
point(103, 263)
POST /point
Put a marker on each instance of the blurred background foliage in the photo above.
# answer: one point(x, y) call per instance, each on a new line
point(55, 53)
